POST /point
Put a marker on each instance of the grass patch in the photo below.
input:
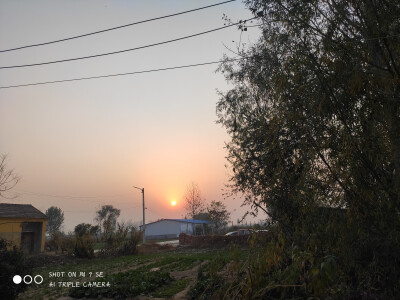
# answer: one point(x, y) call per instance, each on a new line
point(167, 262)
point(206, 287)
point(105, 265)
point(172, 289)
point(98, 246)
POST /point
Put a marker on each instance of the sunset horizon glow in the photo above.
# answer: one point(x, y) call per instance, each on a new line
point(80, 145)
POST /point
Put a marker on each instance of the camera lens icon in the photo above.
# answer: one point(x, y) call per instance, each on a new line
point(28, 279)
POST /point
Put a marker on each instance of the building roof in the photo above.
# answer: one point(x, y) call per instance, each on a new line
point(191, 221)
point(8, 210)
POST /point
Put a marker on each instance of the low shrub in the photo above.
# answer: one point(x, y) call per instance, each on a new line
point(130, 246)
point(54, 242)
point(84, 246)
point(12, 262)
point(120, 244)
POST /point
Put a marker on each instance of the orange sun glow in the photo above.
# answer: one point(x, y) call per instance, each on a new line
point(173, 203)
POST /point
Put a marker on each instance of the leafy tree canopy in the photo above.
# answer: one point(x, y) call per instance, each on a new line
point(202, 216)
point(314, 123)
point(218, 214)
point(314, 115)
point(55, 219)
point(107, 217)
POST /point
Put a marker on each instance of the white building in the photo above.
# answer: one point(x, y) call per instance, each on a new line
point(171, 228)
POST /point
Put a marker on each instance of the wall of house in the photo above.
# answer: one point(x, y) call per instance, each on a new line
point(186, 228)
point(167, 229)
point(11, 229)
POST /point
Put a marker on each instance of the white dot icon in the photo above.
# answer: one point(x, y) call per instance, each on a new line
point(17, 279)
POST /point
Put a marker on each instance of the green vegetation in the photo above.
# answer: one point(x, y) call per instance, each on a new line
point(98, 246)
point(314, 120)
point(151, 274)
point(171, 289)
point(125, 284)
point(55, 219)
point(207, 287)
point(12, 262)
point(107, 217)
point(108, 265)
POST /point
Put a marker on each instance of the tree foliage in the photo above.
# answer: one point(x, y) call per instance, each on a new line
point(314, 121)
point(194, 203)
point(8, 179)
point(94, 230)
point(204, 216)
point(218, 214)
point(83, 229)
point(55, 219)
point(107, 218)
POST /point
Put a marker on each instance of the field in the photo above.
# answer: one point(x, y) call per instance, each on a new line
point(165, 274)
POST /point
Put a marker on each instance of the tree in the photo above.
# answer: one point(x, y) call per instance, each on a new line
point(55, 219)
point(194, 203)
point(313, 115)
point(218, 214)
point(94, 230)
point(107, 218)
point(8, 179)
point(204, 216)
point(314, 122)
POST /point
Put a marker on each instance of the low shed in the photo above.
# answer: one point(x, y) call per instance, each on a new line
point(171, 228)
point(23, 225)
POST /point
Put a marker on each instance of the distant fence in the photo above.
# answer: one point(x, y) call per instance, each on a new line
point(200, 241)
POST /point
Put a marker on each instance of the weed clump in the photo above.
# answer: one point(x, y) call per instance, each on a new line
point(119, 244)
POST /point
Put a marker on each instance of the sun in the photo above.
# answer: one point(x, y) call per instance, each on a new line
point(173, 203)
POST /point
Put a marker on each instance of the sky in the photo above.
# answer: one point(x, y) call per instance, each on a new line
point(79, 145)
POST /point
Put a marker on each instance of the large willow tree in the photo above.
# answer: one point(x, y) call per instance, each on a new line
point(314, 118)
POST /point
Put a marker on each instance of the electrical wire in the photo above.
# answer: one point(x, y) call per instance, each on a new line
point(91, 211)
point(113, 75)
point(114, 28)
point(66, 196)
point(126, 50)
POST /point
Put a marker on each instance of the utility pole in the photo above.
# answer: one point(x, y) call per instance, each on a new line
point(144, 220)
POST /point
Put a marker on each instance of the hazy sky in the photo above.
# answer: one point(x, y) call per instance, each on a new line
point(78, 145)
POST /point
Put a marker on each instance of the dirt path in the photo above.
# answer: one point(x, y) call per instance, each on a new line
point(179, 275)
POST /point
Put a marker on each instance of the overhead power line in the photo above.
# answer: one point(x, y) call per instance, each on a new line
point(113, 75)
point(125, 50)
point(68, 196)
point(114, 28)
